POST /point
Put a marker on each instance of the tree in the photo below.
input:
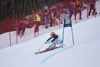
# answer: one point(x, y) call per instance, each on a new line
point(22, 7)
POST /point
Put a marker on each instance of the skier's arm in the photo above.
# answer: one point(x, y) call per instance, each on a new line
point(54, 38)
point(49, 39)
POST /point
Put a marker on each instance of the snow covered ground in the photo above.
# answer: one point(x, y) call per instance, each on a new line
point(85, 52)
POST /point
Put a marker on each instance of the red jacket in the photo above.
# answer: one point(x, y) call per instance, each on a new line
point(21, 24)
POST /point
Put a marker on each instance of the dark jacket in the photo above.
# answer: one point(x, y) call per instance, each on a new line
point(71, 7)
point(92, 4)
point(55, 36)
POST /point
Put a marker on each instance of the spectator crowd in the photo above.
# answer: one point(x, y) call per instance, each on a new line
point(50, 15)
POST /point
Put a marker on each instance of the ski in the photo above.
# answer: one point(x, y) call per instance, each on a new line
point(40, 52)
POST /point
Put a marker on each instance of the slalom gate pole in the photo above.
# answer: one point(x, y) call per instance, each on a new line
point(63, 37)
point(72, 36)
point(63, 32)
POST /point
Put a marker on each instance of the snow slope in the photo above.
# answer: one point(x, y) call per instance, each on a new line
point(85, 52)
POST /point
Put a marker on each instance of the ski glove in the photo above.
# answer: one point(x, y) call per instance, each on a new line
point(47, 42)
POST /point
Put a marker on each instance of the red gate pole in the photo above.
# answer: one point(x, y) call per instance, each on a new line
point(16, 31)
point(34, 22)
point(9, 31)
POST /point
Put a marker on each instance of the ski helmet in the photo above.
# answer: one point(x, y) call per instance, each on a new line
point(52, 33)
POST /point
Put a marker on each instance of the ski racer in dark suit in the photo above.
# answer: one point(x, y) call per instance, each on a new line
point(54, 40)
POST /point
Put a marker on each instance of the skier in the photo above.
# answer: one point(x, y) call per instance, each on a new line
point(55, 39)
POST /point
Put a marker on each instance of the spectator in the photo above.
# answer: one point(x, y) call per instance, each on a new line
point(92, 7)
point(46, 16)
point(50, 16)
point(77, 6)
point(37, 21)
point(21, 27)
point(71, 8)
point(54, 10)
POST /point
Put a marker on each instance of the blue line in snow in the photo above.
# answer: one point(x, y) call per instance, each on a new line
point(89, 40)
point(48, 57)
point(54, 54)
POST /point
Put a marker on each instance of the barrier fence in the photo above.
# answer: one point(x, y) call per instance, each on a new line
point(8, 28)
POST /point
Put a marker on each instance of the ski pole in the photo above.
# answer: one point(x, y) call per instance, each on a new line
point(41, 47)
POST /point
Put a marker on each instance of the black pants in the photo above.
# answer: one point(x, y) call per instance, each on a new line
point(92, 8)
point(71, 13)
point(76, 11)
point(51, 21)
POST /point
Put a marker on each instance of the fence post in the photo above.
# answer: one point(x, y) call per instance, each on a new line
point(34, 22)
point(9, 30)
point(16, 30)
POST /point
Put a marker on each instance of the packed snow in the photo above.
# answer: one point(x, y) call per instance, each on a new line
point(84, 53)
